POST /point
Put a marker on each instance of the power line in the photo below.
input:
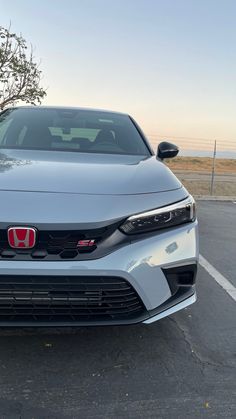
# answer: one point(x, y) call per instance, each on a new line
point(191, 138)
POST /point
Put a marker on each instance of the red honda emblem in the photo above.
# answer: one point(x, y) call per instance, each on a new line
point(21, 237)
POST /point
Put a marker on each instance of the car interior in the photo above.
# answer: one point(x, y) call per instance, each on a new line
point(71, 134)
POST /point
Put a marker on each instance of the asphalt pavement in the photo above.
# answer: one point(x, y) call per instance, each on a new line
point(217, 224)
point(183, 366)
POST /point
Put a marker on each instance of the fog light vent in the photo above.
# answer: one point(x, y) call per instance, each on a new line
point(181, 276)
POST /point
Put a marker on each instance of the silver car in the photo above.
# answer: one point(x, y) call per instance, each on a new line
point(94, 228)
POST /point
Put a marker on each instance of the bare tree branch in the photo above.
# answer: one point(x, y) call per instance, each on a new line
point(20, 76)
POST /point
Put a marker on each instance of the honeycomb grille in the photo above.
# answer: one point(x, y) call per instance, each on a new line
point(56, 245)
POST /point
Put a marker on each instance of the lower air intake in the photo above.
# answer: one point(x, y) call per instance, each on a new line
point(62, 299)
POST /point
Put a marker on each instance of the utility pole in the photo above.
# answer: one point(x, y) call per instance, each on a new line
point(213, 169)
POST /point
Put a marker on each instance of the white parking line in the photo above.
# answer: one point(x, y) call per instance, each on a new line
point(220, 279)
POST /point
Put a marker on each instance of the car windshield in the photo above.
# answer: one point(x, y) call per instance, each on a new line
point(59, 129)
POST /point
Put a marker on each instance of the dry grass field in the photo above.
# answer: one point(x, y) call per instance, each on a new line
point(200, 185)
point(202, 164)
point(203, 188)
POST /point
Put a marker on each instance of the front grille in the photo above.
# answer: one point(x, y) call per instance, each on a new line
point(57, 245)
point(72, 299)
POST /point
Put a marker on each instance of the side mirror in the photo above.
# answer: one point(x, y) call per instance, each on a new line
point(167, 150)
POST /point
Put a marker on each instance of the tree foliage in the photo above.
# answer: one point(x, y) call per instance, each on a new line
point(20, 77)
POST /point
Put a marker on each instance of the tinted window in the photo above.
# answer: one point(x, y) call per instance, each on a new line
point(70, 130)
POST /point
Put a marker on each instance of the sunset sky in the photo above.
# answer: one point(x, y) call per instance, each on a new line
point(169, 63)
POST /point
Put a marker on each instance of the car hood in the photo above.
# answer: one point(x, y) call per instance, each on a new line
point(83, 173)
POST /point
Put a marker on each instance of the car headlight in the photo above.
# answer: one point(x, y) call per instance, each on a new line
point(169, 216)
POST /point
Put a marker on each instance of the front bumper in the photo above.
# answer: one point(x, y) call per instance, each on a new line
point(141, 263)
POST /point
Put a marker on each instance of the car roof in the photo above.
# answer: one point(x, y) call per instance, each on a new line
point(69, 108)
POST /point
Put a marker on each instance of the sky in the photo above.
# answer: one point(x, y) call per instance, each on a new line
point(171, 64)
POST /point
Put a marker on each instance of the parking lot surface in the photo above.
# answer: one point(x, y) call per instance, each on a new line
point(217, 224)
point(183, 366)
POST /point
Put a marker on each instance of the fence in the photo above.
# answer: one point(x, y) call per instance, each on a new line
point(204, 166)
